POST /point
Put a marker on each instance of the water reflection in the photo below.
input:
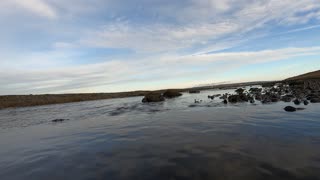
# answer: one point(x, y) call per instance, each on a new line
point(125, 139)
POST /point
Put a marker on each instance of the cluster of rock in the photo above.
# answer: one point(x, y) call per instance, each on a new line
point(297, 92)
point(159, 97)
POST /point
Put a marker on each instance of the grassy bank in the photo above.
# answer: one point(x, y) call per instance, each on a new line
point(46, 99)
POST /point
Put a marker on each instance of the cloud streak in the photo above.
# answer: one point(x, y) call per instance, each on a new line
point(115, 73)
point(115, 45)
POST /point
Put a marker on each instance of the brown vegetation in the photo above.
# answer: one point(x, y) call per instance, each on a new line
point(308, 76)
point(36, 100)
point(46, 99)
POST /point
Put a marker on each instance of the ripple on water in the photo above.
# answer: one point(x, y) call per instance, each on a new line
point(175, 139)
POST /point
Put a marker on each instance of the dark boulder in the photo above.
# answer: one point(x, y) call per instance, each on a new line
point(290, 109)
point(274, 90)
point(171, 94)
point(153, 97)
point(240, 91)
point(225, 101)
point(238, 98)
point(305, 102)
point(194, 91)
point(297, 102)
point(258, 97)
point(255, 90)
point(197, 101)
point(59, 120)
point(224, 96)
point(312, 84)
point(312, 96)
point(266, 101)
point(286, 98)
point(315, 100)
point(234, 98)
point(211, 97)
point(275, 98)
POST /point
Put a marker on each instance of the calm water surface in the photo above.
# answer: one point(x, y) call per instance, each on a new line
point(125, 139)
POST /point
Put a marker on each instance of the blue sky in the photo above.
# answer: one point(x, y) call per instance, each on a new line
point(59, 46)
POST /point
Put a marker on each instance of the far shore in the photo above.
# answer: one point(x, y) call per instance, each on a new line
point(13, 101)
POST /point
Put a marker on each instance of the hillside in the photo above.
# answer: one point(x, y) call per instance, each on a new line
point(307, 76)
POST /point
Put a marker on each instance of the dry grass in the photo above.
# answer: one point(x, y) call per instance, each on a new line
point(36, 100)
point(46, 99)
point(308, 76)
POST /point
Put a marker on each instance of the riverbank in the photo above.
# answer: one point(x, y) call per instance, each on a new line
point(12, 101)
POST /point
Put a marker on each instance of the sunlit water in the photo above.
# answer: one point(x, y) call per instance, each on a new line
point(125, 139)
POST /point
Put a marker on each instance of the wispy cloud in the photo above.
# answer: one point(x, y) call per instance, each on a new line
point(37, 7)
point(191, 40)
point(116, 73)
point(202, 25)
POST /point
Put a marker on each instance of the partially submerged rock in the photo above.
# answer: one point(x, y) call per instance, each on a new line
point(238, 98)
point(171, 94)
point(290, 109)
point(211, 97)
point(194, 91)
point(286, 98)
point(293, 109)
point(59, 120)
point(240, 91)
point(315, 100)
point(153, 97)
point(255, 90)
point(197, 101)
point(297, 102)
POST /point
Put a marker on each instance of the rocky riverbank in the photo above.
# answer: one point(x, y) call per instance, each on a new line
point(300, 89)
point(301, 92)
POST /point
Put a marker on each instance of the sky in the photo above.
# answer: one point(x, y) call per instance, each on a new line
point(83, 46)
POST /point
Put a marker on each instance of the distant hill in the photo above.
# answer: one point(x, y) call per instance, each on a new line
point(311, 75)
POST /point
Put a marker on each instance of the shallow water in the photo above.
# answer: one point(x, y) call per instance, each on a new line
point(176, 139)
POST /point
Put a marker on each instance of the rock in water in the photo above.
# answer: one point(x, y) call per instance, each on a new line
point(290, 109)
point(315, 100)
point(238, 98)
point(286, 98)
point(171, 94)
point(225, 101)
point(194, 91)
point(59, 120)
point(240, 91)
point(211, 97)
point(297, 102)
point(153, 97)
point(305, 102)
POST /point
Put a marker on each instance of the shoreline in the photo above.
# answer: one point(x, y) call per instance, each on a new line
point(16, 101)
